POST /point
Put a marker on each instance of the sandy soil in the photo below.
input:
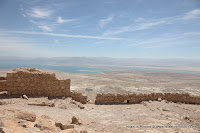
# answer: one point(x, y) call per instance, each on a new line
point(117, 118)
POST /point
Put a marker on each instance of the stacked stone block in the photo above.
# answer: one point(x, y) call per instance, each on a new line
point(33, 82)
point(137, 98)
point(79, 97)
point(2, 85)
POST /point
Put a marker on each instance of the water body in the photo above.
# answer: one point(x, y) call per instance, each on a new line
point(156, 70)
point(81, 69)
point(68, 69)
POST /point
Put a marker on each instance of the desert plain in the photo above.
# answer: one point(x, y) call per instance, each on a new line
point(148, 116)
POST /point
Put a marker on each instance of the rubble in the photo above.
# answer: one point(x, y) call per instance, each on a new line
point(64, 126)
point(76, 121)
point(49, 104)
point(25, 97)
point(25, 116)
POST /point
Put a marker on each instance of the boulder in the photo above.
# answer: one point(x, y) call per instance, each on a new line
point(81, 106)
point(1, 123)
point(76, 121)
point(50, 104)
point(159, 99)
point(63, 127)
point(69, 131)
point(26, 124)
point(83, 131)
point(45, 117)
point(46, 124)
point(25, 97)
point(26, 116)
point(2, 130)
point(2, 103)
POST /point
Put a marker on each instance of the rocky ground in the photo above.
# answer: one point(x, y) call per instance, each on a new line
point(44, 115)
point(26, 116)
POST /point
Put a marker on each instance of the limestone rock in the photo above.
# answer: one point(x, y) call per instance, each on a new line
point(73, 101)
point(76, 121)
point(50, 104)
point(1, 123)
point(63, 127)
point(81, 106)
point(26, 116)
point(1, 130)
point(45, 117)
point(26, 124)
point(46, 124)
point(2, 103)
point(165, 109)
point(83, 131)
point(159, 99)
point(25, 97)
point(69, 131)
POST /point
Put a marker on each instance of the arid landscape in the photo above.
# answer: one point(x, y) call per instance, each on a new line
point(99, 66)
point(148, 116)
point(130, 81)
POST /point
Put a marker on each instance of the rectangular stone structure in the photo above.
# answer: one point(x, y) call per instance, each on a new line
point(138, 98)
point(33, 82)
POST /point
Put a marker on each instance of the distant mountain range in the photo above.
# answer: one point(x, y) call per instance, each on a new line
point(106, 61)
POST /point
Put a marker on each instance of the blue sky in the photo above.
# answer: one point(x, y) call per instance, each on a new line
point(93, 28)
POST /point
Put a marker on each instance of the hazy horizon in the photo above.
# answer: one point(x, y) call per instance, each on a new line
point(103, 61)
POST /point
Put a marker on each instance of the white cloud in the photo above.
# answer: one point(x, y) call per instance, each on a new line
point(106, 21)
point(140, 19)
point(45, 28)
point(192, 14)
point(23, 15)
point(144, 24)
point(63, 35)
point(60, 20)
point(167, 40)
point(39, 13)
point(134, 27)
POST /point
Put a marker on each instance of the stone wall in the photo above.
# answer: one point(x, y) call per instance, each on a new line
point(33, 82)
point(2, 85)
point(2, 78)
point(79, 97)
point(137, 98)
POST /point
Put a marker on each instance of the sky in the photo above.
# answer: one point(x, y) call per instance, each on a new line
point(100, 28)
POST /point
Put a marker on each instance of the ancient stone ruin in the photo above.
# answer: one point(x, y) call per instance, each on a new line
point(33, 83)
point(2, 84)
point(79, 97)
point(138, 98)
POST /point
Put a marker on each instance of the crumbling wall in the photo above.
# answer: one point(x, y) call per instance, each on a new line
point(79, 97)
point(137, 98)
point(2, 78)
point(33, 82)
point(2, 85)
